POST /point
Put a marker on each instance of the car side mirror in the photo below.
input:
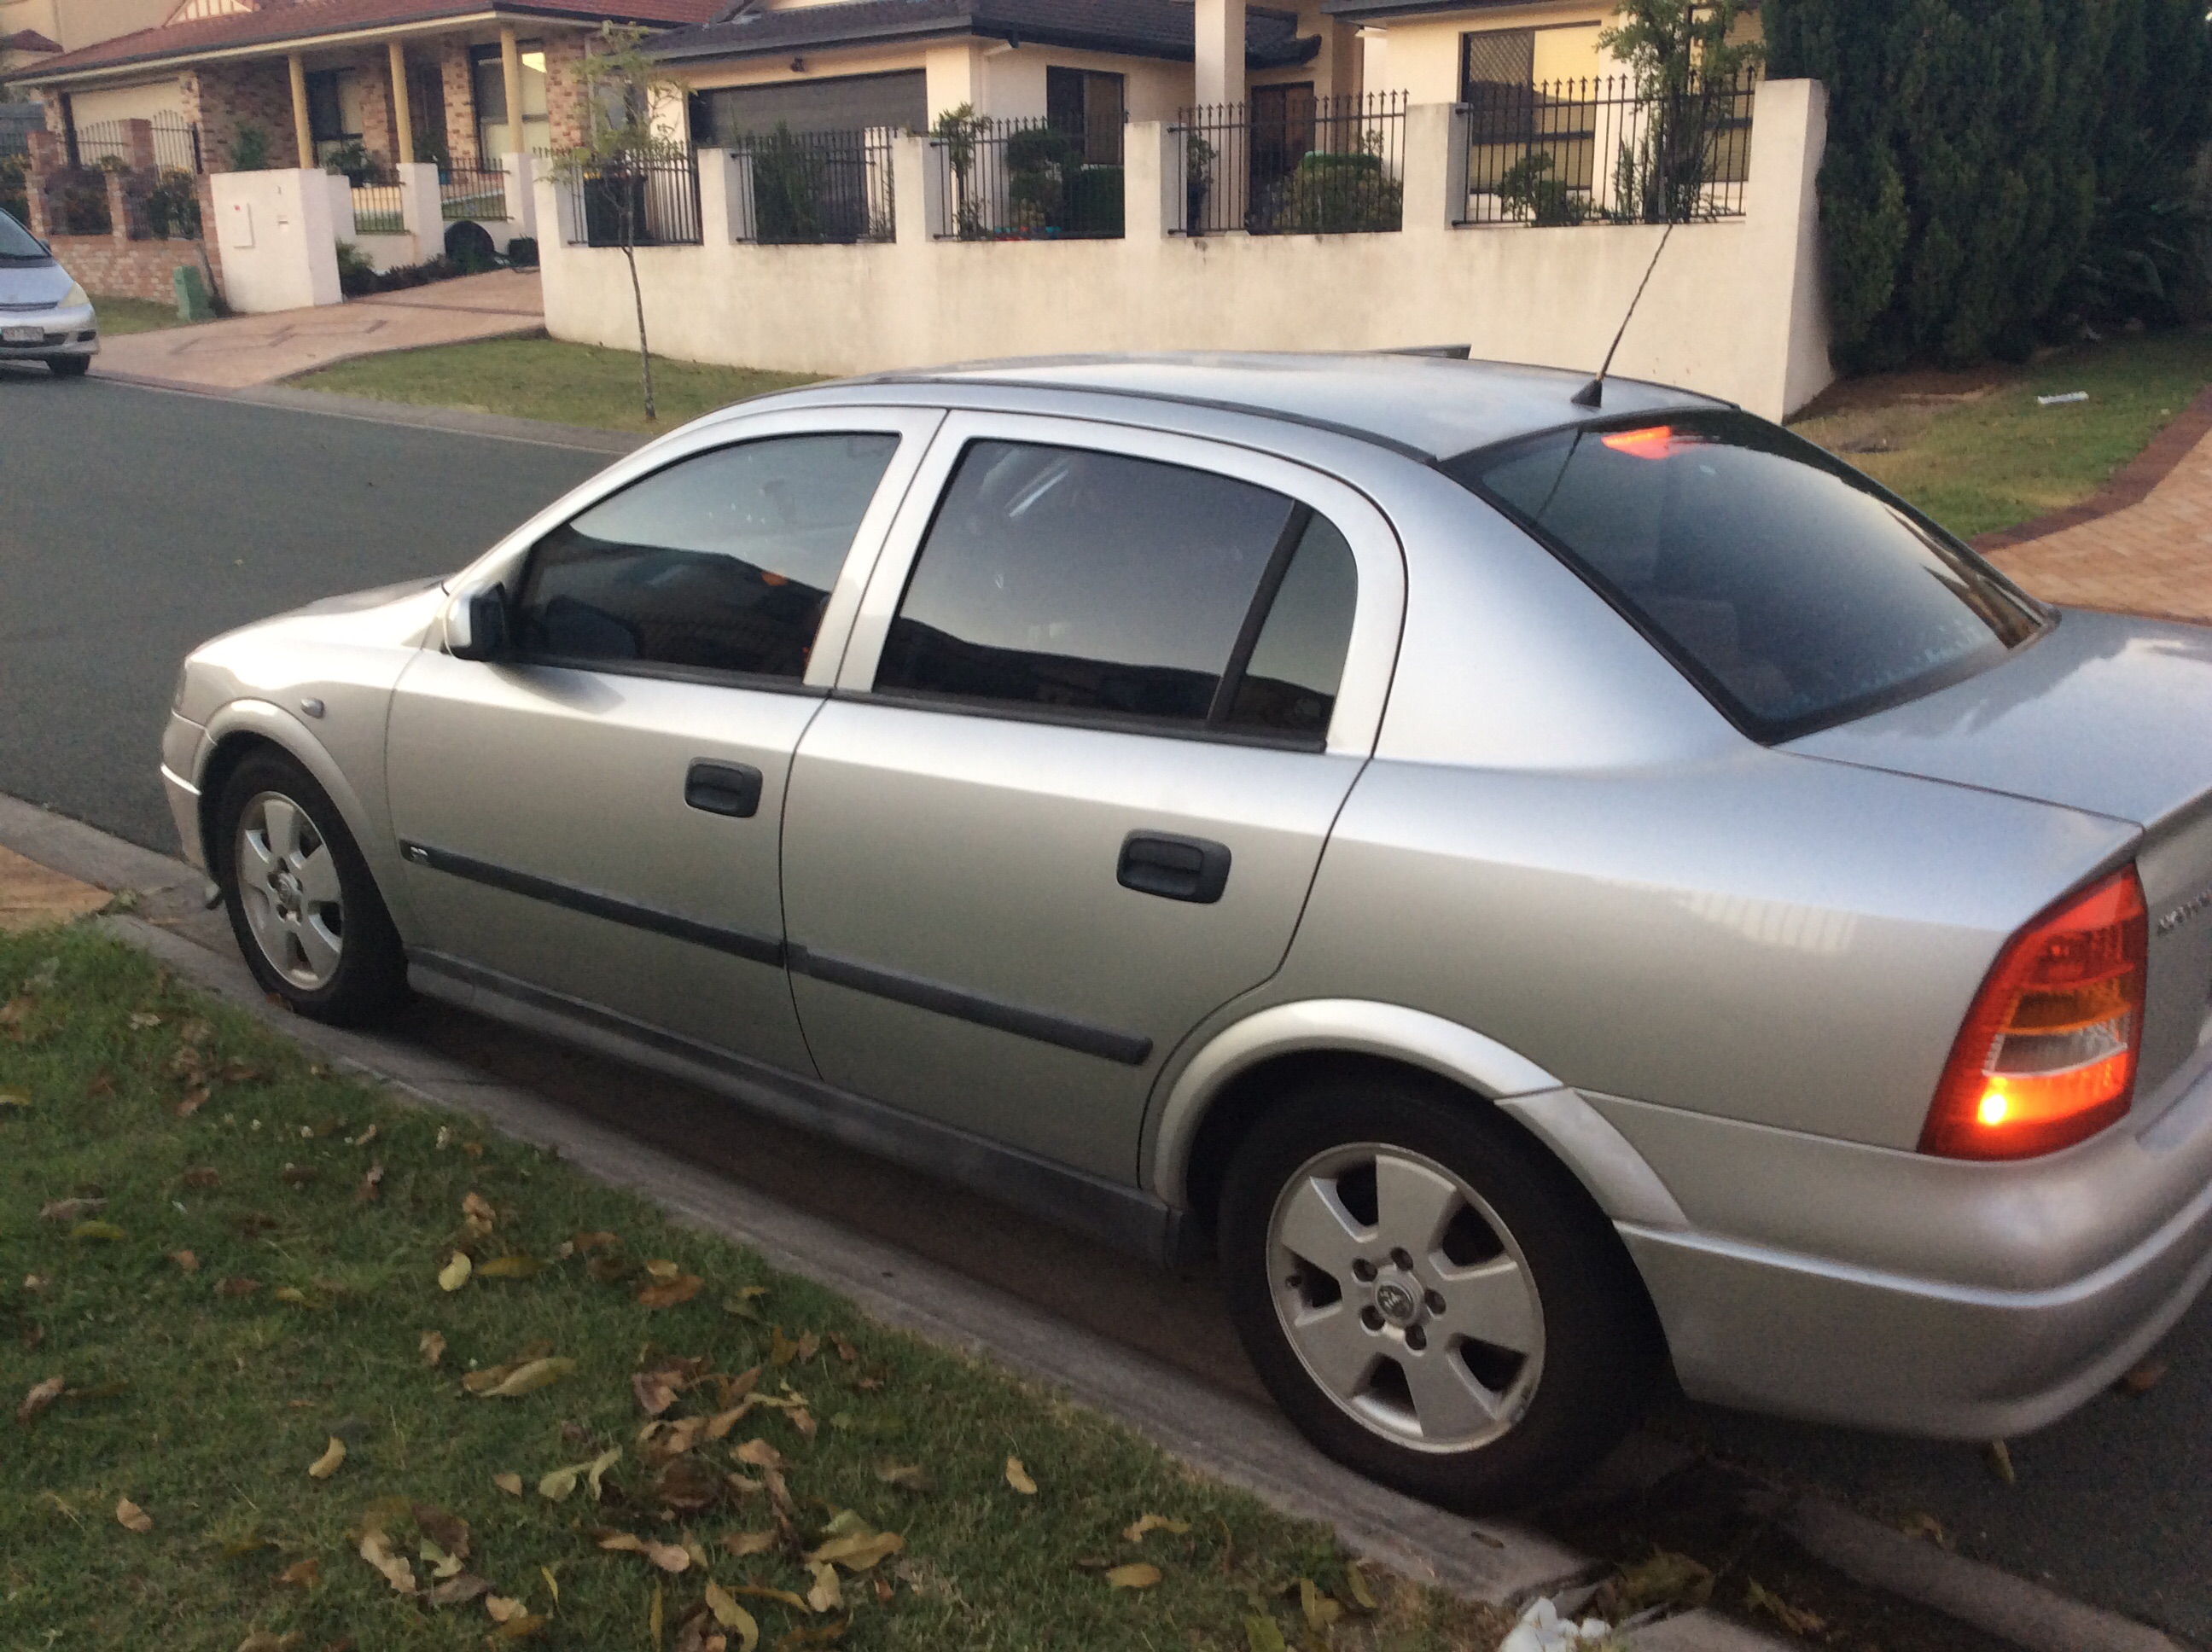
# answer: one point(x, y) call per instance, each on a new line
point(476, 626)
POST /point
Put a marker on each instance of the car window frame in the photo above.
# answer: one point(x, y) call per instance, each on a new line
point(1378, 559)
point(512, 562)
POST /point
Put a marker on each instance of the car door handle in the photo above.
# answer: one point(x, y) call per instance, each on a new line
point(724, 789)
point(1174, 868)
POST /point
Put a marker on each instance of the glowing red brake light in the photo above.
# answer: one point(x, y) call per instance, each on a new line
point(1653, 441)
point(2047, 1055)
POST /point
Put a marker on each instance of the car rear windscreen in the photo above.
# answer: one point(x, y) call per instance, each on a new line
point(1793, 591)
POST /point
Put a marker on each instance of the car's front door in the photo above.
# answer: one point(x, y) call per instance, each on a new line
point(1107, 691)
point(597, 812)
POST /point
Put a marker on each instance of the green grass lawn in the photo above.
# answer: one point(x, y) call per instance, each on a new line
point(1974, 450)
point(258, 1406)
point(541, 379)
point(118, 316)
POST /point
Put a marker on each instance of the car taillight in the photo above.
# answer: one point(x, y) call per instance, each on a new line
point(2047, 1054)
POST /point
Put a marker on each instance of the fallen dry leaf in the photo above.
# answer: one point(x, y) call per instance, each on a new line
point(825, 1595)
point(845, 1351)
point(477, 1208)
point(236, 1287)
point(69, 1209)
point(191, 1101)
point(371, 1180)
point(455, 1273)
point(202, 1177)
point(1666, 1579)
point(759, 1454)
point(672, 1292)
point(860, 1552)
point(586, 1243)
point(433, 1346)
point(510, 1484)
point(732, 1617)
point(742, 1544)
point(130, 1516)
point(14, 1098)
point(298, 1176)
point(515, 1266)
point(503, 1609)
point(376, 1549)
point(906, 1477)
point(41, 1395)
point(362, 1139)
point(1018, 1478)
point(291, 1293)
point(528, 1377)
point(1362, 1596)
point(265, 1640)
point(324, 1467)
point(1138, 1575)
point(186, 1260)
point(656, 1391)
point(106, 1232)
point(2000, 1456)
point(142, 1019)
point(301, 1574)
point(1925, 1526)
point(1134, 1532)
point(669, 1556)
point(2145, 1376)
point(1796, 1619)
point(460, 1589)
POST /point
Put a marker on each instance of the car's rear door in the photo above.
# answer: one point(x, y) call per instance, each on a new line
point(1108, 689)
point(597, 815)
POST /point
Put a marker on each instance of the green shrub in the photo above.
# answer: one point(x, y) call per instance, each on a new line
point(1527, 190)
point(173, 207)
point(249, 149)
point(1335, 194)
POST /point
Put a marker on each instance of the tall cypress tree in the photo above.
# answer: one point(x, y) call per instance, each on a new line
point(1980, 152)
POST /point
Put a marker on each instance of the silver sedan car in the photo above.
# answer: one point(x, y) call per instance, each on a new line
point(45, 316)
point(1546, 895)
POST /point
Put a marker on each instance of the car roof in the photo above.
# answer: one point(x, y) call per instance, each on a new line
point(1432, 404)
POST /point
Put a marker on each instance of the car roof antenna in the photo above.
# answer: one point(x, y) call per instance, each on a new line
point(1592, 393)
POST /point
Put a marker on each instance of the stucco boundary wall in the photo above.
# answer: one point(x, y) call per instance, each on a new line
point(1735, 307)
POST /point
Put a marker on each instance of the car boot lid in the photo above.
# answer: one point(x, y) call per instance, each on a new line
point(2104, 713)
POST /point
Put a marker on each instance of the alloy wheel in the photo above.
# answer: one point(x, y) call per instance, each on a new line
point(1405, 1297)
point(287, 883)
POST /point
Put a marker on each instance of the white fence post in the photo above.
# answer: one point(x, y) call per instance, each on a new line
point(1148, 160)
point(917, 191)
point(421, 210)
point(1428, 207)
point(521, 198)
point(554, 208)
point(1782, 211)
point(726, 197)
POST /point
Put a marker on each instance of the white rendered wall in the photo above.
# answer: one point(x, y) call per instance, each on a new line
point(1733, 308)
point(278, 238)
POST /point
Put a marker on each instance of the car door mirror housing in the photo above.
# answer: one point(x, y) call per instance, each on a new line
point(476, 626)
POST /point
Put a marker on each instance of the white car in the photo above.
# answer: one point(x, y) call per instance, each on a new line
point(44, 315)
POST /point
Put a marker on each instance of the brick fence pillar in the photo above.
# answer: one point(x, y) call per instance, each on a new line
point(45, 160)
point(138, 144)
point(118, 207)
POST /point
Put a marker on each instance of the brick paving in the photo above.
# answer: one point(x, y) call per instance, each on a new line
point(2143, 544)
point(31, 895)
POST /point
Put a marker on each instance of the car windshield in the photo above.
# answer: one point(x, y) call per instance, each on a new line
point(1792, 590)
point(16, 244)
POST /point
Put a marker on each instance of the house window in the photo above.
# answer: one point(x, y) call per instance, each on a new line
point(1495, 64)
point(494, 135)
point(1090, 106)
point(333, 111)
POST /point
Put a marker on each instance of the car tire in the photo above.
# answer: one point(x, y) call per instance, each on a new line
point(68, 366)
point(1430, 1296)
point(306, 912)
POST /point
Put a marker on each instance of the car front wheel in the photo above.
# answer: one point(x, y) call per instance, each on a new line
point(302, 903)
point(1430, 1297)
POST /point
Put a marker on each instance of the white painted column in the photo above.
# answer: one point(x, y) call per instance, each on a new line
point(420, 208)
point(1782, 213)
point(521, 198)
point(726, 198)
point(1220, 63)
point(556, 214)
point(279, 243)
point(1429, 134)
point(919, 208)
point(1150, 165)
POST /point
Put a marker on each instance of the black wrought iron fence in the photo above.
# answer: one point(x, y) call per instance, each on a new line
point(1026, 180)
point(814, 188)
point(468, 190)
point(1294, 164)
point(1604, 151)
point(379, 205)
point(649, 198)
point(76, 202)
point(106, 143)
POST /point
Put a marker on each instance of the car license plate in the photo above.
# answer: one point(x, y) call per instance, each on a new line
point(22, 335)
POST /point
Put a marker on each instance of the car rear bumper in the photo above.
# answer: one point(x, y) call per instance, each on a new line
point(1773, 1331)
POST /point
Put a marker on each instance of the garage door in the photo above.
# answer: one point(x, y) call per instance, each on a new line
point(846, 103)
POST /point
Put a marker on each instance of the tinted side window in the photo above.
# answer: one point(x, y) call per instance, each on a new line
point(1102, 585)
point(1290, 683)
point(723, 562)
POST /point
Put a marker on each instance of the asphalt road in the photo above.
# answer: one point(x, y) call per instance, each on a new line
point(134, 523)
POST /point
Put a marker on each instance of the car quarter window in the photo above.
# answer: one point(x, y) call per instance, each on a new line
point(1103, 586)
point(722, 562)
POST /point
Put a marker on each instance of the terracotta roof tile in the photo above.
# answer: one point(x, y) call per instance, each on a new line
point(277, 24)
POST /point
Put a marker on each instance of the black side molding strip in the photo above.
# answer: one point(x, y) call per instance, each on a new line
point(1083, 1036)
point(738, 943)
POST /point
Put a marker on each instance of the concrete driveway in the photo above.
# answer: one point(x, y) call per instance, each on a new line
point(259, 350)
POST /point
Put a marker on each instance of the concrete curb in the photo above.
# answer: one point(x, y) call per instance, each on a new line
point(1994, 1601)
point(496, 426)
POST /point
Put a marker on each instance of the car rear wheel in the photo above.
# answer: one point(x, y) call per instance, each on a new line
point(1431, 1297)
point(68, 366)
point(305, 909)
